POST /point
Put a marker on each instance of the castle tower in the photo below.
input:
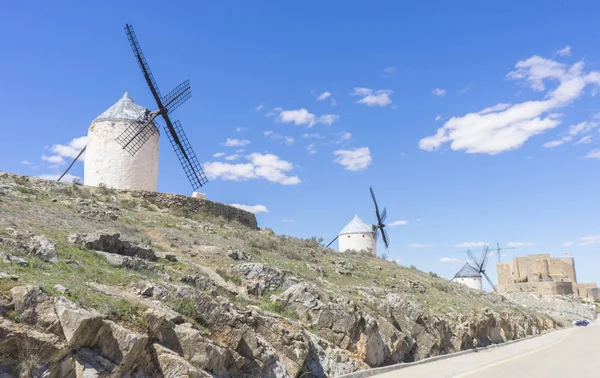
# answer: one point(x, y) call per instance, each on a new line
point(106, 162)
point(469, 276)
point(358, 236)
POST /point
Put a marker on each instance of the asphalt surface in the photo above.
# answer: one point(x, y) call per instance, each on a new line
point(574, 352)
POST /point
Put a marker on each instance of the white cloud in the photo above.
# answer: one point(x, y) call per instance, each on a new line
point(397, 223)
point(259, 107)
point(240, 129)
point(328, 119)
point(506, 127)
point(313, 136)
point(285, 139)
point(389, 70)
point(584, 140)
point(236, 142)
point(333, 103)
point(558, 142)
point(255, 209)
point(304, 117)
point(54, 176)
point(594, 154)
point(370, 97)
point(419, 245)
point(232, 157)
point(519, 244)
point(55, 159)
point(324, 96)
point(584, 241)
point(311, 149)
point(260, 166)
point(449, 260)
point(471, 244)
point(25, 162)
point(565, 51)
point(219, 154)
point(354, 160)
point(71, 149)
point(438, 117)
point(439, 92)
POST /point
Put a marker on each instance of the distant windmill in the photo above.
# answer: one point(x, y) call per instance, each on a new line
point(140, 130)
point(359, 235)
point(480, 264)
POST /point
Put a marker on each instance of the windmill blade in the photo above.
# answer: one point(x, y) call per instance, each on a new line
point(331, 242)
point(489, 281)
point(185, 154)
point(383, 215)
point(374, 200)
point(139, 56)
point(138, 132)
point(72, 162)
point(485, 257)
point(473, 258)
point(384, 235)
point(483, 252)
point(177, 96)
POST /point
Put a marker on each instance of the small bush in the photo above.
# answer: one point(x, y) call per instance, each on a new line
point(186, 307)
point(229, 277)
point(104, 190)
point(22, 180)
point(276, 307)
point(128, 204)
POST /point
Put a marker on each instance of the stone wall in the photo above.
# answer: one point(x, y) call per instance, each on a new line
point(563, 269)
point(588, 290)
point(505, 275)
point(547, 288)
point(199, 205)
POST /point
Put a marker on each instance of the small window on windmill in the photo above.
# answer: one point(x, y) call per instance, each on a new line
point(363, 236)
point(348, 235)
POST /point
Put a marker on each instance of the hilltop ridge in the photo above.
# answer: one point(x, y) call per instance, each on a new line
point(122, 283)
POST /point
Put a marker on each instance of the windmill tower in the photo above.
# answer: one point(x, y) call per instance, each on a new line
point(361, 236)
point(133, 129)
point(467, 275)
point(107, 163)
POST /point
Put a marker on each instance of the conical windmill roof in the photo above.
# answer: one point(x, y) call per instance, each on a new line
point(467, 271)
point(123, 110)
point(356, 226)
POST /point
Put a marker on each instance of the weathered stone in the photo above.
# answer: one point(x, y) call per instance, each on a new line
point(7, 259)
point(112, 243)
point(239, 255)
point(43, 248)
point(61, 289)
point(171, 365)
point(35, 307)
point(19, 341)
point(120, 345)
point(80, 326)
point(8, 277)
point(264, 278)
point(90, 364)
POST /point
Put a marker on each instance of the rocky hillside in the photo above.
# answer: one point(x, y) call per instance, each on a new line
point(103, 283)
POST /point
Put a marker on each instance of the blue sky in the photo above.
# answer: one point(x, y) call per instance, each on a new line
point(473, 122)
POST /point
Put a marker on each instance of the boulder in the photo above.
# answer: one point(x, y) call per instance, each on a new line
point(171, 365)
point(35, 307)
point(120, 345)
point(90, 364)
point(239, 255)
point(18, 342)
point(264, 278)
point(80, 326)
point(43, 248)
point(112, 243)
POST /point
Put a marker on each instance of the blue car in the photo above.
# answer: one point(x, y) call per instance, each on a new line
point(581, 323)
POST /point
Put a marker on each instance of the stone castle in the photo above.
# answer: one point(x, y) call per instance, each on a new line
point(543, 274)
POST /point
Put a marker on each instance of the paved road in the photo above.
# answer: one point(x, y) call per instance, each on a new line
point(574, 352)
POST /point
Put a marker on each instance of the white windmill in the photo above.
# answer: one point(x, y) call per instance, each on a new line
point(358, 235)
